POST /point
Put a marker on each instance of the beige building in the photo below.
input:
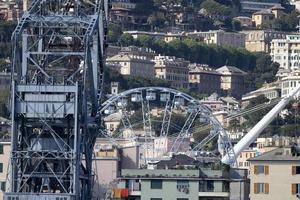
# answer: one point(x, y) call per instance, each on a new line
point(204, 79)
point(219, 37)
point(286, 52)
point(132, 63)
point(260, 40)
point(232, 80)
point(275, 175)
point(4, 165)
point(172, 69)
point(242, 158)
point(265, 18)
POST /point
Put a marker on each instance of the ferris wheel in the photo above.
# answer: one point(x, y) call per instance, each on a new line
point(161, 120)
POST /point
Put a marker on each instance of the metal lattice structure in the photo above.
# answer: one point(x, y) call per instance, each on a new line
point(170, 101)
point(58, 54)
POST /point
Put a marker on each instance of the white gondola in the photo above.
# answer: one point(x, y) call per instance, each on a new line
point(178, 101)
point(150, 95)
point(109, 110)
point(165, 96)
point(136, 97)
point(122, 102)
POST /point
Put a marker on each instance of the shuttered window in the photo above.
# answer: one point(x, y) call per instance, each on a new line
point(261, 188)
point(295, 170)
point(296, 188)
point(261, 169)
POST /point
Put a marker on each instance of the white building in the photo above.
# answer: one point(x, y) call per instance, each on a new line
point(286, 52)
point(289, 83)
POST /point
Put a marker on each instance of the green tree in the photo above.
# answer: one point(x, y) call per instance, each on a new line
point(255, 117)
point(126, 39)
point(236, 25)
point(114, 33)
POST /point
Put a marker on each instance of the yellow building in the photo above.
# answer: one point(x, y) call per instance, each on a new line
point(275, 175)
point(4, 165)
point(260, 40)
point(263, 19)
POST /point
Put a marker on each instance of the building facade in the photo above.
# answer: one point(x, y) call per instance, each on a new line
point(286, 52)
point(204, 79)
point(219, 37)
point(133, 63)
point(174, 184)
point(5, 147)
point(122, 13)
point(172, 69)
point(275, 175)
point(289, 83)
point(260, 40)
point(232, 80)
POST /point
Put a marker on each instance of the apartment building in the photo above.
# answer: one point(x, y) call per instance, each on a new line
point(260, 40)
point(232, 80)
point(12, 10)
point(264, 19)
point(173, 184)
point(172, 69)
point(133, 63)
point(122, 13)
point(286, 51)
point(219, 37)
point(242, 158)
point(4, 165)
point(204, 79)
point(275, 175)
point(289, 83)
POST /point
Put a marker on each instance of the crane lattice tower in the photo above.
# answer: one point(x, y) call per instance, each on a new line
point(57, 65)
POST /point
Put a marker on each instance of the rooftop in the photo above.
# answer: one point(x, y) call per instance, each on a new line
point(230, 69)
point(279, 154)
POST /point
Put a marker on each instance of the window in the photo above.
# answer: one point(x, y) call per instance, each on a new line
point(1, 149)
point(2, 186)
point(1, 167)
point(210, 186)
point(156, 184)
point(296, 188)
point(183, 186)
point(261, 169)
point(261, 188)
point(295, 170)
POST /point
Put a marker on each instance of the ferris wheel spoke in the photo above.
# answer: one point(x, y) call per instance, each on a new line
point(125, 120)
point(184, 131)
point(167, 117)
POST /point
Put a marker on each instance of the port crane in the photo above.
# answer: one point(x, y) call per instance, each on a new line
point(58, 53)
